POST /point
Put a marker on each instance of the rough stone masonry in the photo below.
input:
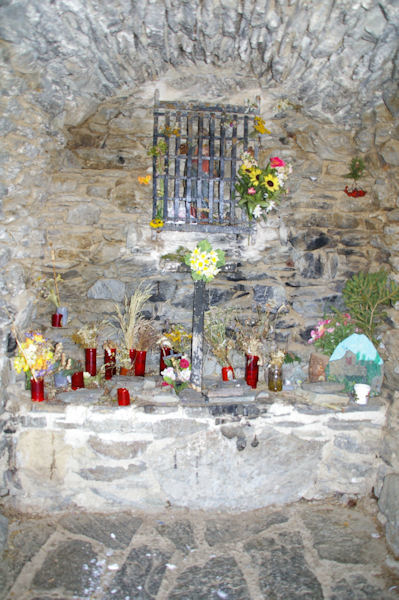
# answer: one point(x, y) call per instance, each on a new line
point(78, 79)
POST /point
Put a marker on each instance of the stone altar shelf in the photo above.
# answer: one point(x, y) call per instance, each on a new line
point(244, 450)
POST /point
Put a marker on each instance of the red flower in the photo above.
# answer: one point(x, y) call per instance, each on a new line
point(184, 363)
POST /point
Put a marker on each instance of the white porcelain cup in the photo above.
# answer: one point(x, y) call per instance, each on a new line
point(362, 392)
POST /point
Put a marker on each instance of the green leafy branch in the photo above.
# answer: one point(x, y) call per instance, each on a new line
point(356, 168)
point(365, 296)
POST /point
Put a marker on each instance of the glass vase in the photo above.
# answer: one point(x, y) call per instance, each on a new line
point(275, 378)
point(62, 310)
point(37, 389)
point(165, 351)
point(251, 370)
point(110, 363)
point(91, 361)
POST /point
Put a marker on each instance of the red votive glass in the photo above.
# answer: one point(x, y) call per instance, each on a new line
point(123, 397)
point(227, 373)
point(251, 370)
point(90, 361)
point(139, 363)
point(77, 380)
point(37, 389)
point(56, 320)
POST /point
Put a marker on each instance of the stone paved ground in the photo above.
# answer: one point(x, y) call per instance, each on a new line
point(308, 551)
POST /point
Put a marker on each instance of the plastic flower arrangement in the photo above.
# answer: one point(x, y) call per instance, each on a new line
point(260, 189)
point(331, 331)
point(177, 374)
point(35, 354)
point(205, 263)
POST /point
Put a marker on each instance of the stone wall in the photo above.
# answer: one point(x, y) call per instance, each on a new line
point(78, 86)
point(256, 450)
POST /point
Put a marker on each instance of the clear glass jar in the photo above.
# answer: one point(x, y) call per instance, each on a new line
point(275, 378)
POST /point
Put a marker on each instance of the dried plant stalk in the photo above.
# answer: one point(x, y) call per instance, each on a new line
point(131, 320)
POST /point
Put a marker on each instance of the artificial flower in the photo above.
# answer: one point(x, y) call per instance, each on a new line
point(331, 331)
point(144, 180)
point(260, 188)
point(35, 354)
point(204, 262)
point(271, 182)
point(156, 223)
point(178, 372)
point(275, 162)
point(259, 125)
point(254, 176)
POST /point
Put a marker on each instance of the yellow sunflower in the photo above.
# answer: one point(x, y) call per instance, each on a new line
point(156, 223)
point(254, 176)
point(271, 183)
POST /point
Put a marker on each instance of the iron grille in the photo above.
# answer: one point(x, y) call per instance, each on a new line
point(196, 153)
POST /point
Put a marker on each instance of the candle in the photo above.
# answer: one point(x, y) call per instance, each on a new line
point(123, 397)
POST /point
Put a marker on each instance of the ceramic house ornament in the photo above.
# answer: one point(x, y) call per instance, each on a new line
point(355, 360)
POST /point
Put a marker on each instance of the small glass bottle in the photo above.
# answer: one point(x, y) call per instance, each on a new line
point(275, 378)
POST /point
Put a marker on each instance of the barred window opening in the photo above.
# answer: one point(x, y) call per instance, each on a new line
point(196, 154)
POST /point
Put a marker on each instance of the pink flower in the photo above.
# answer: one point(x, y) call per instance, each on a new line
point(251, 191)
point(184, 363)
point(275, 162)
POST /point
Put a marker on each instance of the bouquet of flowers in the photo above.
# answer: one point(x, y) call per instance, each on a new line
point(177, 338)
point(260, 189)
point(35, 355)
point(205, 263)
point(177, 373)
point(331, 331)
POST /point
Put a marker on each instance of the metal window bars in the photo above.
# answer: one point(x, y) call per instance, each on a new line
point(196, 153)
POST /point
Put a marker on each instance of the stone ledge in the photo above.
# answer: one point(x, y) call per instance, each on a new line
point(274, 451)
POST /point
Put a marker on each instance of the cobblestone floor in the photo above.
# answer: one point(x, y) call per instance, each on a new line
point(307, 551)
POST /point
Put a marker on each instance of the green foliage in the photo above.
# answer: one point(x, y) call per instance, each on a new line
point(334, 330)
point(178, 256)
point(291, 357)
point(365, 296)
point(356, 168)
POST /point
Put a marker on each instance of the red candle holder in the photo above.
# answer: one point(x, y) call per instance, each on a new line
point(251, 370)
point(228, 373)
point(56, 320)
point(110, 363)
point(165, 351)
point(123, 397)
point(37, 389)
point(77, 380)
point(139, 363)
point(91, 361)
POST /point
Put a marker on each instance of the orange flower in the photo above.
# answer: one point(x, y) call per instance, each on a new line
point(144, 180)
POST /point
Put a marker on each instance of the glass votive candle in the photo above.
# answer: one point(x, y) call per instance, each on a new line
point(56, 320)
point(123, 397)
point(77, 380)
